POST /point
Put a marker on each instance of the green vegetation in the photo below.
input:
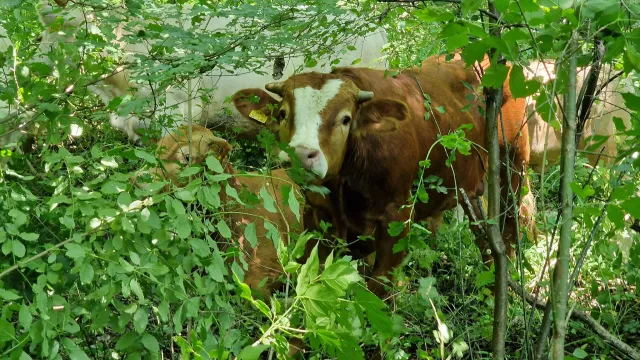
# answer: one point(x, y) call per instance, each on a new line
point(94, 267)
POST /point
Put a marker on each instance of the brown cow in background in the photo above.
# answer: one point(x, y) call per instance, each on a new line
point(262, 260)
point(363, 134)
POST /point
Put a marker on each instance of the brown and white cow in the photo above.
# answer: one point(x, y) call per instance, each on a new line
point(364, 134)
point(175, 152)
point(609, 104)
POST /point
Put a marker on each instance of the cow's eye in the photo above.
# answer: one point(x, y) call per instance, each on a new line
point(346, 119)
point(186, 159)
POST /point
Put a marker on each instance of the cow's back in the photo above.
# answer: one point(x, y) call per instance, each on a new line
point(415, 137)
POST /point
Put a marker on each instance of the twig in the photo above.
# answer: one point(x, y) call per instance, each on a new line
point(608, 337)
point(35, 257)
point(29, 165)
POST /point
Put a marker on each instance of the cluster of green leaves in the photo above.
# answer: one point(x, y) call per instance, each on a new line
point(94, 266)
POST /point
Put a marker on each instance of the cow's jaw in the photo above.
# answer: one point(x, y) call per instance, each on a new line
point(309, 104)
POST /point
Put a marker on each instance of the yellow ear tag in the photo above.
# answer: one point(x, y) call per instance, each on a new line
point(258, 116)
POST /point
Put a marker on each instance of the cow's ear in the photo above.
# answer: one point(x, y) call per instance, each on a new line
point(383, 115)
point(219, 146)
point(255, 104)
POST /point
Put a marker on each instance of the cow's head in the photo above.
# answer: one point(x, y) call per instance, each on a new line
point(175, 152)
point(319, 112)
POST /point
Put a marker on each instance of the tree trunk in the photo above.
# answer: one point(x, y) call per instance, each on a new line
point(493, 99)
point(560, 286)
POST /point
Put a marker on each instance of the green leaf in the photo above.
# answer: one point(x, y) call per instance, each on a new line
point(190, 171)
point(140, 320)
point(109, 162)
point(200, 247)
point(268, 200)
point(580, 354)
point(301, 245)
point(619, 124)
point(8, 296)
point(252, 352)
point(473, 52)
point(632, 206)
point(470, 6)
point(136, 289)
point(616, 216)
point(18, 248)
point(440, 109)
point(24, 317)
point(113, 187)
point(367, 299)
point(250, 234)
point(427, 289)
point(127, 225)
point(340, 275)
point(310, 62)
point(457, 41)
point(623, 192)
point(150, 343)
point(223, 229)
point(217, 270)
point(231, 192)
point(19, 218)
point(7, 332)
point(86, 273)
point(68, 222)
point(75, 251)
point(184, 195)
point(521, 88)
point(219, 177)
point(631, 101)
point(495, 76)
point(294, 205)
point(501, 5)
point(135, 258)
point(588, 191)
point(308, 272)
point(396, 228)
point(183, 227)
point(126, 340)
point(380, 321)
point(214, 164)
point(485, 278)
point(291, 267)
point(145, 156)
point(73, 350)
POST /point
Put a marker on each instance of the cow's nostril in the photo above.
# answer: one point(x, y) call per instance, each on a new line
point(312, 155)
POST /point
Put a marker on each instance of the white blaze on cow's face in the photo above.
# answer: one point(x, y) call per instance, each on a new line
point(309, 105)
point(318, 126)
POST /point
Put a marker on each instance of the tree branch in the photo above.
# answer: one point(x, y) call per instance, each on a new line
point(608, 337)
point(560, 284)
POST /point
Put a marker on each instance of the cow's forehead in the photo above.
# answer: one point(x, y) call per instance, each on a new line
point(309, 104)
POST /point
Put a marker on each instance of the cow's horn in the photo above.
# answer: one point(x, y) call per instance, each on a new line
point(275, 87)
point(365, 95)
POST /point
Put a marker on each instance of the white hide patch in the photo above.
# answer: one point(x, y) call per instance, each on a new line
point(309, 103)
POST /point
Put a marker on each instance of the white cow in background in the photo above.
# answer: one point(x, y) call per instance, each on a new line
point(200, 99)
point(9, 134)
point(608, 105)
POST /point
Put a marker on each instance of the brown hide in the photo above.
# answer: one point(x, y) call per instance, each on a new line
point(262, 260)
point(373, 160)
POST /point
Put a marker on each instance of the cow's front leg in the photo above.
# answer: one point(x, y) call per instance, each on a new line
point(386, 259)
